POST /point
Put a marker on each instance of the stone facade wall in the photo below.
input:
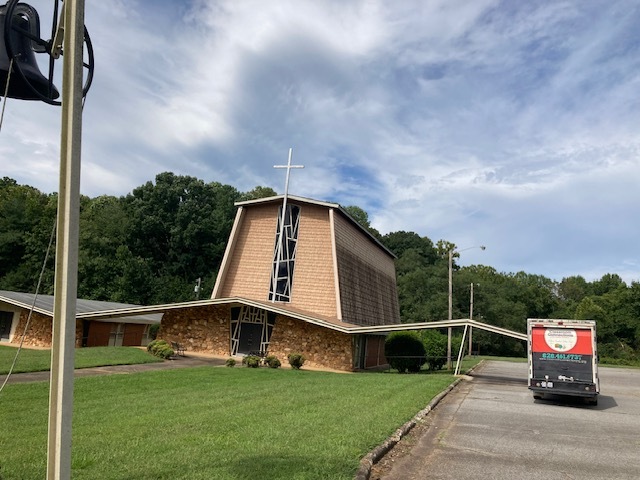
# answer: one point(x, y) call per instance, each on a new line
point(368, 292)
point(199, 329)
point(40, 330)
point(321, 347)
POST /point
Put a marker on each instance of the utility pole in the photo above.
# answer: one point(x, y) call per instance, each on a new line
point(470, 318)
point(66, 273)
point(451, 251)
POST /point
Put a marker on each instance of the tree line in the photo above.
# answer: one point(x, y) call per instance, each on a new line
point(150, 247)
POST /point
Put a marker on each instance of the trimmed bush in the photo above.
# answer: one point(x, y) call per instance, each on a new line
point(160, 348)
point(296, 360)
point(272, 361)
point(151, 345)
point(435, 345)
point(231, 362)
point(404, 351)
point(252, 361)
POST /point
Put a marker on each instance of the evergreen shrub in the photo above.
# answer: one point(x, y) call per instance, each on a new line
point(231, 362)
point(272, 361)
point(404, 351)
point(252, 361)
point(435, 345)
point(160, 348)
point(296, 360)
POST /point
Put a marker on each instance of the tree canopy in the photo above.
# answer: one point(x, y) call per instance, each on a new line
point(151, 246)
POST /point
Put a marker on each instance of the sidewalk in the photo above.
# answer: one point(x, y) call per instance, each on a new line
point(190, 360)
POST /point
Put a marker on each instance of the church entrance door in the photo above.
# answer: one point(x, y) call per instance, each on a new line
point(250, 336)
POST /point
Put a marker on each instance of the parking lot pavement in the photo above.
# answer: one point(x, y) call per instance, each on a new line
point(491, 427)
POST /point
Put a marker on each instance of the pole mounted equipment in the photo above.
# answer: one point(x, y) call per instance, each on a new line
point(20, 40)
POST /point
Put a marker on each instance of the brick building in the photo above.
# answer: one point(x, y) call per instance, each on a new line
point(104, 330)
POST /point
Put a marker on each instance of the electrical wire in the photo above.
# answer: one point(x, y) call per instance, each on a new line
point(33, 305)
point(6, 92)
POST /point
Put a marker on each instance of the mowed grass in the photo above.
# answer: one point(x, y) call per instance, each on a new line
point(40, 360)
point(215, 423)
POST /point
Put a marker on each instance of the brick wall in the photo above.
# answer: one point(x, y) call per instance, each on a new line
point(321, 347)
point(200, 329)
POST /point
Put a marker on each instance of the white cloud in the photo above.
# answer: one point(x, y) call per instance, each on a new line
point(510, 124)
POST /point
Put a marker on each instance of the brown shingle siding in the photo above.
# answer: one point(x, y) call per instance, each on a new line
point(367, 278)
point(249, 270)
point(313, 279)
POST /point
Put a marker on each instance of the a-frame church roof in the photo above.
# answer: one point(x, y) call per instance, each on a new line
point(337, 268)
point(277, 199)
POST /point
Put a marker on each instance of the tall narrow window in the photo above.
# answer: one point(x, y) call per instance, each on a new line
point(284, 255)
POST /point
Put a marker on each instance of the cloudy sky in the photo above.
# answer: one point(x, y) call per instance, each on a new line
point(509, 124)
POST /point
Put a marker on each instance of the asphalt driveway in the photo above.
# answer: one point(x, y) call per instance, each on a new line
point(490, 427)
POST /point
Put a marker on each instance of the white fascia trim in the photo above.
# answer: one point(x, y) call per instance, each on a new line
point(334, 254)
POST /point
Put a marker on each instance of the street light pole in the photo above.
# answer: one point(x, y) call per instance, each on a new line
point(470, 318)
point(451, 251)
point(450, 317)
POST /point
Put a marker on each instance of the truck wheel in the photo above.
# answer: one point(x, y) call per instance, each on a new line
point(537, 396)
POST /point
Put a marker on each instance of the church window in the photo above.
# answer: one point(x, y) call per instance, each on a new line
point(284, 255)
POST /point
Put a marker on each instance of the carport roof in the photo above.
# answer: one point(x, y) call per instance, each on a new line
point(323, 321)
point(99, 310)
point(44, 305)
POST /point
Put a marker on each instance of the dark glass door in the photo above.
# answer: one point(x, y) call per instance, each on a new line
point(250, 336)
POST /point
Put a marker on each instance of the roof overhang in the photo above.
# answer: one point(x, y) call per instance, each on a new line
point(325, 322)
point(153, 314)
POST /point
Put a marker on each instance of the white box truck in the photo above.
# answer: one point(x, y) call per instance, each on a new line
point(563, 359)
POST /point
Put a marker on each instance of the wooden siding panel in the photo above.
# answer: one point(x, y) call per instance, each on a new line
point(367, 278)
point(249, 269)
point(313, 288)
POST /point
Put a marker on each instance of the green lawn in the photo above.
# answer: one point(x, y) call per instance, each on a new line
point(39, 360)
point(215, 423)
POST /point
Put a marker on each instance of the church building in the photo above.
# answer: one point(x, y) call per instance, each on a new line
point(315, 286)
point(298, 276)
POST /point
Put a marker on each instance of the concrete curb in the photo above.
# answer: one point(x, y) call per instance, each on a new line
point(374, 456)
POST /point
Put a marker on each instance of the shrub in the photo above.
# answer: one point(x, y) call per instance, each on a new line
point(435, 345)
point(160, 348)
point(273, 361)
point(165, 351)
point(296, 360)
point(404, 351)
point(231, 362)
point(151, 345)
point(252, 361)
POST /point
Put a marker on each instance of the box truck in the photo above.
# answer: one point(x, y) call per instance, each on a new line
point(563, 359)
